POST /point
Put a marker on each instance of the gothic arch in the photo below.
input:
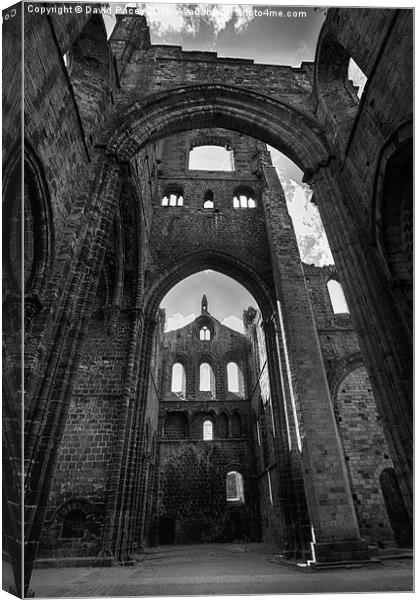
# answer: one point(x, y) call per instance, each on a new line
point(342, 368)
point(239, 360)
point(213, 105)
point(335, 97)
point(217, 261)
point(39, 243)
point(392, 209)
point(75, 503)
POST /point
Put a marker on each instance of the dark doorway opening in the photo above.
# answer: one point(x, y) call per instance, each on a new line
point(167, 530)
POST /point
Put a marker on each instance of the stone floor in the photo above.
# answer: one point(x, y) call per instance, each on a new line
point(221, 569)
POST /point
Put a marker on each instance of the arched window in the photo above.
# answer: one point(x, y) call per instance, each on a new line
point(37, 229)
point(234, 487)
point(178, 378)
point(205, 377)
point(233, 377)
point(208, 199)
point(243, 198)
point(173, 199)
point(211, 158)
point(337, 297)
point(207, 430)
point(205, 334)
point(74, 524)
point(356, 76)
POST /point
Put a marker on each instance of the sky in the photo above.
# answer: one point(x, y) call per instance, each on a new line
point(240, 31)
point(226, 300)
point(258, 33)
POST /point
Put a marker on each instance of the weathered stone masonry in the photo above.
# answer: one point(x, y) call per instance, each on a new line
point(104, 137)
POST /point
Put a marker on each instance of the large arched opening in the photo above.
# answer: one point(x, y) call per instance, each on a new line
point(297, 136)
point(215, 421)
point(287, 129)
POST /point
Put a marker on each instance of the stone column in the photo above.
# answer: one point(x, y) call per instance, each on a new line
point(335, 531)
point(292, 495)
point(45, 426)
point(385, 345)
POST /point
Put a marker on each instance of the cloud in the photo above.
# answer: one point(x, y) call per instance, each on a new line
point(189, 19)
point(303, 51)
point(177, 320)
point(233, 323)
point(310, 233)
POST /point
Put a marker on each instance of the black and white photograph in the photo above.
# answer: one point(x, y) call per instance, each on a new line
point(207, 299)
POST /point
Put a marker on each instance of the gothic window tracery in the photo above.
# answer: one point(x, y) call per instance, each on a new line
point(205, 334)
point(172, 199)
point(244, 197)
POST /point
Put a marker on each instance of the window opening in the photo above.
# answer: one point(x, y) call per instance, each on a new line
point(178, 378)
point(338, 300)
point(172, 199)
point(243, 201)
point(205, 334)
point(207, 430)
point(233, 377)
point(211, 158)
point(357, 77)
point(209, 199)
point(234, 487)
point(205, 377)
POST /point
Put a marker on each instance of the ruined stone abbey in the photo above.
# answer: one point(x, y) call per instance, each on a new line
point(297, 432)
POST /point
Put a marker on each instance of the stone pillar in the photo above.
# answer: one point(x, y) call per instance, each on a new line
point(126, 487)
point(385, 345)
point(292, 495)
point(45, 425)
point(335, 531)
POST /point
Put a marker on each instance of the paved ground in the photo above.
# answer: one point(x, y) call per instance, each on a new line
point(217, 569)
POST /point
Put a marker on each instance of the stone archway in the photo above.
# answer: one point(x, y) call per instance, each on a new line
point(125, 498)
point(217, 261)
point(286, 128)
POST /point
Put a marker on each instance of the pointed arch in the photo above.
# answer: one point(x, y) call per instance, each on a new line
point(214, 105)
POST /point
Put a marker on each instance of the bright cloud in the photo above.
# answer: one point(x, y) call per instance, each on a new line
point(189, 18)
point(312, 240)
point(177, 320)
point(233, 323)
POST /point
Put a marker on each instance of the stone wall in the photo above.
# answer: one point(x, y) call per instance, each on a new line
point(93, 144)
point(361, 430)
point(192, 503)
